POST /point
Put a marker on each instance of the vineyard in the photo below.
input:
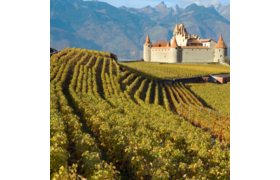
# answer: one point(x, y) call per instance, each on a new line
point(112, 124)
point(158, 71)
point(214, 95)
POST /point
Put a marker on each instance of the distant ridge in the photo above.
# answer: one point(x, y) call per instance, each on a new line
point(122, 31)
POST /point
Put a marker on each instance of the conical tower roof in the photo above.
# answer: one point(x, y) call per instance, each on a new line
point(176, 30)
point(220, 43)
point(181, 26)
point(147, 41)
point(174, 43)
point(186, 31)
point(167, 45)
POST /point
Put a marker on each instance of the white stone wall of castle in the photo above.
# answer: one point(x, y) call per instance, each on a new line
point(220, 54)
point(197, 55)
point(212, 44)
point(206, 44)
point(161, 55)
point(179, 55)
point(181, 41)
point(147, 53)
point(174, 55)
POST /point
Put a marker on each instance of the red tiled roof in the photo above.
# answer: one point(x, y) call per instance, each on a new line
point(176, 29)
point(147, 41)
point(160, 48)
point(220, 43)
point(194, 41)
point(174, 43)
point(195, 47)
point(161, 44)
point(205, 40)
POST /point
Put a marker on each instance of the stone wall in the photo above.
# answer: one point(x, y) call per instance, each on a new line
point(147, 53)
point(197, 55)
point(220, 54)
point(180, 39)
point(160, 55)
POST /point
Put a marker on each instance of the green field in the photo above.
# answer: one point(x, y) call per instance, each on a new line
point(157, 71)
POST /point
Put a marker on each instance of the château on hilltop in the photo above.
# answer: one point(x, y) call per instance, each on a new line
point(184, 47)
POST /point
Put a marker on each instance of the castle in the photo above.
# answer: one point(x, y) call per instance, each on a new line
point(184, 47)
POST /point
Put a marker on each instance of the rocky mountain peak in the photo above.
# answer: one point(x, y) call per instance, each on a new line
point(161, 7)
point(176, 8)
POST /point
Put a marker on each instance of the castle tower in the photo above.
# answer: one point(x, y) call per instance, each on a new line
point(176, 30)
point(174, 51)
point(147, 49)
point(220, 50)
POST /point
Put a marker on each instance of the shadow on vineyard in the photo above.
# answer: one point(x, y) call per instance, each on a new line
point(100, 87)
point(139, 73)
point(160, 97)
point(200, 99)
point(152, 96)
point(145, 88)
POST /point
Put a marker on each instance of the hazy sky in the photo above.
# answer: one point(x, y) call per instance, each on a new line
point(152, 3)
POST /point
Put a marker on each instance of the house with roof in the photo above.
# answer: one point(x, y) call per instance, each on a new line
point(184, 47)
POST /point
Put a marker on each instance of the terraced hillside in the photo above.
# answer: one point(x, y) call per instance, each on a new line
point(107, 124)
point(158, 71)
point(214, 95)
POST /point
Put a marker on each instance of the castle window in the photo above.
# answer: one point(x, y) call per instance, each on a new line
point(159, 45)
point(219, 50)
point(221, 56)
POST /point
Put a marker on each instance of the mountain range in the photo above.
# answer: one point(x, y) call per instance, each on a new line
point(122, 31)
point(224, 9)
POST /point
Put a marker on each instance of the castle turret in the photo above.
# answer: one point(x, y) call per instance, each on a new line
point(220, 50)
point(174, 51)
point(176, 30)
point(147, 49)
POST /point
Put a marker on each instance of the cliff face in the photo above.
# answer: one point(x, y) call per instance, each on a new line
point(122, 31)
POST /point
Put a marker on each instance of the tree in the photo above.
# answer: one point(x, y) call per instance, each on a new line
point(227, 60)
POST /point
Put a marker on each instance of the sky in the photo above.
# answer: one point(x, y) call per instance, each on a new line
point(152, 3)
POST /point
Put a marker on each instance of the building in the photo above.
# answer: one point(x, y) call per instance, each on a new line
point(221, 78)
point(184, 47)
